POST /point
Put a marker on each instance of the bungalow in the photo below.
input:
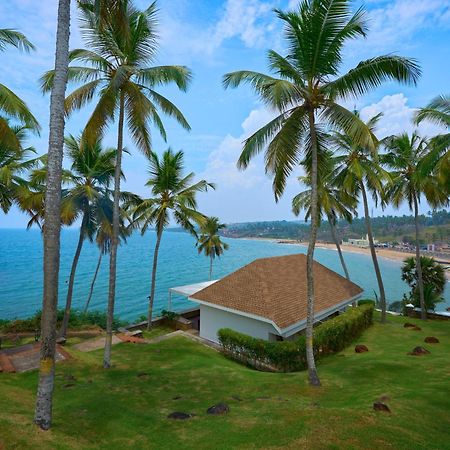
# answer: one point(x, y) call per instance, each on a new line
point(267, 298)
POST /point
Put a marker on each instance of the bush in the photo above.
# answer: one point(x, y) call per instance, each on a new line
point(289, 356)
point(77, 320)
point(366, 302)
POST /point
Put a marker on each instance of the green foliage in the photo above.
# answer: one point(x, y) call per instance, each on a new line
point(169, 315)
point(433, 281)
point(77, 320)
point(289, 356)
point(366, 302)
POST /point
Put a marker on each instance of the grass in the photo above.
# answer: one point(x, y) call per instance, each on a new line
point(127, 406)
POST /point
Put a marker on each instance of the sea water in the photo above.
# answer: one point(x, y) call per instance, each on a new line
point(179, 264)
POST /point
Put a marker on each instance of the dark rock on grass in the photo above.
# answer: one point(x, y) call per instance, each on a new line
point(177, 415)
point(380, 406)
point(419, 351)
point(237, 398)
point(431, 340)
point(416, 328)
point(361, 348)
point(177, 397)
point(219, 409)
point(409, 325)
point(69, 385)
point(143, 375)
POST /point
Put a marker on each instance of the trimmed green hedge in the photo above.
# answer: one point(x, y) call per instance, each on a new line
point(289, 356)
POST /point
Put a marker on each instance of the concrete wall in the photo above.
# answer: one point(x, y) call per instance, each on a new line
point(212, 320)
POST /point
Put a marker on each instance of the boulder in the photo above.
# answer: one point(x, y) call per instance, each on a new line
point(361, 348)
point(419, 351)
point(409, 325)
point(380, 406)
point(177, 415)
point(416, 328)
point(219, 409)
point(431, 340)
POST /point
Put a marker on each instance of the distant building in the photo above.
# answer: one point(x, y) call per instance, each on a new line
point(363, 242)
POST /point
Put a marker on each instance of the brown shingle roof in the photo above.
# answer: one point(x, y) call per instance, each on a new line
point(275, 288)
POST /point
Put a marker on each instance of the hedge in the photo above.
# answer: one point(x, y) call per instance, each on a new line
point(289, 356)
point(77, 320)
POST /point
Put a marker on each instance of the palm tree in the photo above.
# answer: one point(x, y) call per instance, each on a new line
point(103, 239)
point(209, 241)
point(43, 411)
point(122, 44)
point(359, 171)
point(332, 201)
point(92, 170)
point(438, 112)
point(13, 163)
point(11, 106)
point(405, 159)
point(173, 194)
point(304, 90)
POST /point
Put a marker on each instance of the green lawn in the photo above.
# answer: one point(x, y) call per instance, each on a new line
point(126, 407)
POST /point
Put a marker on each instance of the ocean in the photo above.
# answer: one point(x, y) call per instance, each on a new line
point(179, 264)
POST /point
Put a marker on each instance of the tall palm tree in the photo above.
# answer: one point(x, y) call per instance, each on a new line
point(438, 112)
point(405, 158)
point(11, 106)
point(173, 194)
point(92, 171)
point(122, 44)
point(333, 202)
point(359, 171)
point(209, 241)
point(43, 411)
point(13, 164)
point(305, 90)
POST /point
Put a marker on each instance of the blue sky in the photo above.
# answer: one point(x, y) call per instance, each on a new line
point(213, 37)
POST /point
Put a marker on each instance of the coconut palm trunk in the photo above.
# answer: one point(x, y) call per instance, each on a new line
point(91, 290)
point(52, 227)
point(338, 246)
point(66, 318)
point(211, 258)
point(312, 371)
point(423, 312)
point(114, 237)
point(153, 285)
point(374, 254)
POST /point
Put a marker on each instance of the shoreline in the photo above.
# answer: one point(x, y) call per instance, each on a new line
point(386, 253)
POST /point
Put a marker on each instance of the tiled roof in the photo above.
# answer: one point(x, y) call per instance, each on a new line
point(276, 289)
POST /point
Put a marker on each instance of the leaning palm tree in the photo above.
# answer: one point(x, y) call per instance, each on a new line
point(209, 241)
point(173, 194)
point(103, 237)
point(358, 173)
point(438, 112)
point(92, 171)
point(43, 411)
point(305, 90)
point(405, 158)
point(11, 106)
point(122, 44)
point(333, 202)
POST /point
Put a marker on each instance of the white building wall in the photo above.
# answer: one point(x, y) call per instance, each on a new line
point(212, 320)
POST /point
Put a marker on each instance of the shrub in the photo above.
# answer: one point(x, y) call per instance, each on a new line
point(289, 356)
point(366, 302)
point(77, 320)
point(169, 315)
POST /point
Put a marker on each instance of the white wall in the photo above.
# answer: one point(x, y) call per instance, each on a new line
point(212, 320)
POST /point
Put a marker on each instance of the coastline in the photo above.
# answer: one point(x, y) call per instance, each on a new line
point(386, 253)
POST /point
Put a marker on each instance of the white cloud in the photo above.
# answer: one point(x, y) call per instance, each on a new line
point(392, 24)
point(397, 117)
